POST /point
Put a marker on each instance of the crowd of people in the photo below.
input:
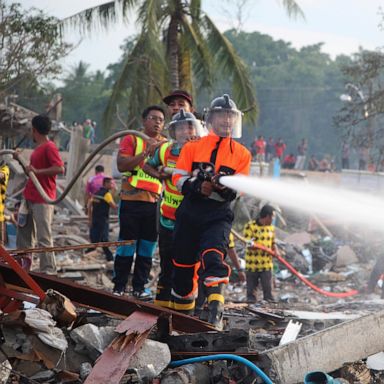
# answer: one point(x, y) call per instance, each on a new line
point(266, 151)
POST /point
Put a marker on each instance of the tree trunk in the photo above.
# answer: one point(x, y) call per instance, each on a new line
point(173, 52)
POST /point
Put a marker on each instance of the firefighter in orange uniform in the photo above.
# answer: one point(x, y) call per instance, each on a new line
point(183, 127)
point(204, 217)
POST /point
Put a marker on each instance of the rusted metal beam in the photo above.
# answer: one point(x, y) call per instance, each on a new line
point(18, 295)
point(69, 247)
point(16, 267)
point(112, 364)
point(104, 301)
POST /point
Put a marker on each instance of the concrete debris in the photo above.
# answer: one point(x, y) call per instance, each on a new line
point(329, 349)
point(85, 370)
point(334, 335)
point(291, 332)
point(345, 255)
point(39, 322)
point(299, 239)
point(151, 359)
point(5, 371)
point(188, 374)
point(376, 361)
point(92, 339)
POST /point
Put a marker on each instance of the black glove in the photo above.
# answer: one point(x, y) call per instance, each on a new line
point(192, 186)
point(226, 193)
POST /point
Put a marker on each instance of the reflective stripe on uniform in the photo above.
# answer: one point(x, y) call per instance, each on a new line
point(138, 178)
point(215, 297)
point(172, 198)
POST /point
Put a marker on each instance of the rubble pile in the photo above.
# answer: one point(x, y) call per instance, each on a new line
point(40, 346)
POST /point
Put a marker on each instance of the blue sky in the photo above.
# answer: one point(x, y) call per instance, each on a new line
point(342, 25)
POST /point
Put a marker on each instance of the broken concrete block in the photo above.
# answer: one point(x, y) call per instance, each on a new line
point(327, 350)
point(151, 359)
point(187, 374)
point(345, 255)
point(43, 376)
point(16, 340)
point(291, 332)
point(92, 338)
point(376, 361)
point(85, 370)
point(299, 239)
point(5, 371)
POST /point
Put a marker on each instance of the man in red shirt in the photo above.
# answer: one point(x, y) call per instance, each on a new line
point(45, 163)
point(260, 149)
point(280, 147)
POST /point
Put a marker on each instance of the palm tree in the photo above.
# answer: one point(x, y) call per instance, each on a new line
point(178, 47)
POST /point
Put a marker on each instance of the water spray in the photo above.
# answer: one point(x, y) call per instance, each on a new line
point(344, 206)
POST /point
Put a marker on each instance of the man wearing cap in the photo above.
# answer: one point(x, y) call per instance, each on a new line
point(179, 99)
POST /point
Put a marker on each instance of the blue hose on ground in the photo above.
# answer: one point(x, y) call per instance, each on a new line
point(224, 356)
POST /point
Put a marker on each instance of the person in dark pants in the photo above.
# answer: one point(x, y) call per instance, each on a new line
point(138, 206)
point(259, 264)
point(98, 208)
point(183, 127)
point(204, 217)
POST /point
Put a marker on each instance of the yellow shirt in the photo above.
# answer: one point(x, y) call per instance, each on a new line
point(4, 169)
point(257, 260)
point(231, 241)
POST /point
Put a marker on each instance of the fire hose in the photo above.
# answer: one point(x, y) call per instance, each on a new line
point(103, 144)
point(46, 198)
point(293, 270)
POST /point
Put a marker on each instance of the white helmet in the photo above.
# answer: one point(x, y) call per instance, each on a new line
point(184, 126)
point(223, 118)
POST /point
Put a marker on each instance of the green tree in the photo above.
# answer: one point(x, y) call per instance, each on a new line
point(361, 117)
point(298, 91)
point(84, 94)
point(30, 47)
point(178, 47)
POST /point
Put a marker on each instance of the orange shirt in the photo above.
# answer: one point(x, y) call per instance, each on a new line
point(232, 157)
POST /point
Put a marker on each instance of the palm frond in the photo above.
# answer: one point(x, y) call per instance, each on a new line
point(195, 7)
point(142, 69)
point(100, 17)
point(232, 66)
point(149, 14)
point(293, 9)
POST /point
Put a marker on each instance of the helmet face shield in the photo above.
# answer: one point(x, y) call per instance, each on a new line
point(184, 130)
point(184, 126)
point(224, 122)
